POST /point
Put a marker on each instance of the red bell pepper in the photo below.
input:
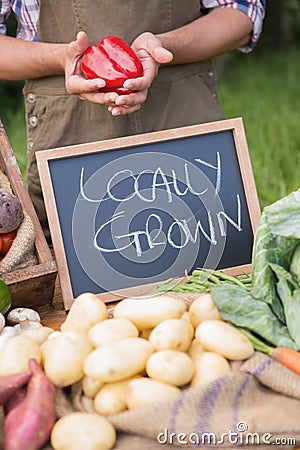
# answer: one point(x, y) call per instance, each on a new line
point(113, 60)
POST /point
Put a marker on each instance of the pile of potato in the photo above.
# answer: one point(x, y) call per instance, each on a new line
point(148, 351)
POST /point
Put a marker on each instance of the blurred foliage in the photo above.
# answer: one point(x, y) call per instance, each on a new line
point(281, 26)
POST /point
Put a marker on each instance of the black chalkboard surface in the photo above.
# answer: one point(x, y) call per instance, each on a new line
point(128, 213)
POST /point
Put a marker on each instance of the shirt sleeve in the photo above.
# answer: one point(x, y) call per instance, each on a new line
point(255, 10)
point(5, 10)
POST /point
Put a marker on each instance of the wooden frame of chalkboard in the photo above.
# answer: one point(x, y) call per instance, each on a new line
point(127, 214)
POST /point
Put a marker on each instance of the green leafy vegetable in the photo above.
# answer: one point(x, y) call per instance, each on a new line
point(295, 264)
point(237, 305)
point(289, 293)
point(275, 241)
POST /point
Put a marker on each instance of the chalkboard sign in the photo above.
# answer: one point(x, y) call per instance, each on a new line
point(127, 214)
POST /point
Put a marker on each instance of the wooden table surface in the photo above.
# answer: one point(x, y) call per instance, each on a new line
point(52, 315)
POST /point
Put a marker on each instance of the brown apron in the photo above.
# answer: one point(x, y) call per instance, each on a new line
point(181, 95)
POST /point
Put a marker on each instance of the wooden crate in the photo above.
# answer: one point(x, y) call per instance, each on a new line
point(34, 285)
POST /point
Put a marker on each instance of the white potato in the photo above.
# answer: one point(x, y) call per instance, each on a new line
point(86, 310)
point(39, 335)
point(15, 354)
point(195, 350)
point(146, 391)
point(203, 308)
point(80, 430)
point(176, 334)
point(64, 356)
point(118, 360)
point(221, 337)
point(208, 368)
point(90, 386)
point(170, 366)
point(111, 398)
point(111, 330)
point(148, 312)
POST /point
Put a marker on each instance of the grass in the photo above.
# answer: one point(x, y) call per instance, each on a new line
point(264, 92)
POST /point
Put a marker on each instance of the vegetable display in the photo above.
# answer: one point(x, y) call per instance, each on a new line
point(267, 301)
point(148, 349)
point(113, 60)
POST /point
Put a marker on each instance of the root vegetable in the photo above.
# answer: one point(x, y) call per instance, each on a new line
point(145, 391)
point(208, 368)
point(15, 354)
point(10, 384)
point(173, 334)
point(203, 308)
point(64, 355)
point(148, 312)
point(118, 361)
point(79, 430)
point(170, 366)
point(112, 330)
point(111, 398)
point(15, 399)
point(11, 211)
point(86, 311)
point(221, 337)
point(28, 425)
point(90, 386)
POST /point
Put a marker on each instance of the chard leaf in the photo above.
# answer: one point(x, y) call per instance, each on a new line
point(275, 241)
point(237, 305)
point(289, 292)
point(284, 216)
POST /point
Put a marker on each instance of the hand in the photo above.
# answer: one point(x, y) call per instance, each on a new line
point(75, 81)
point(151, 54)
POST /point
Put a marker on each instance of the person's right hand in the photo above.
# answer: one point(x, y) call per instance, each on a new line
point(75, 81)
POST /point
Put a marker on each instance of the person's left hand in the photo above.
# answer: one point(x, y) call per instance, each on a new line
point(151, 54)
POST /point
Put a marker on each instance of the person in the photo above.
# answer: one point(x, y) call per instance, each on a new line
point(175, 41)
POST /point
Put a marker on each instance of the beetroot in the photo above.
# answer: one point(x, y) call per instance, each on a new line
point(11, 211)
point(28, 425)
point(10, 384)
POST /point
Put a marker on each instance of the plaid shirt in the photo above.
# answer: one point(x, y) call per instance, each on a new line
point(26, 12)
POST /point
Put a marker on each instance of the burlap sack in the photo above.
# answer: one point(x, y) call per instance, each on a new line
point(257, 407)
point(22, 252)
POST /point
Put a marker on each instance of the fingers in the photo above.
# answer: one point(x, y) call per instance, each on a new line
point(77, 85)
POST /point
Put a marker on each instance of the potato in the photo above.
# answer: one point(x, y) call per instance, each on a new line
point(170, 366)
point(111, 330)
point(145, 391)
point(15, 354)
point(118, 360)
point(111, 398)
point(176, 334)
point(195, 350)
point(148, 312)
point(86, 310)
point(80, 430)
point(39, 335)
point(221, 337)
point(90, 386)
point(203, 308)
point(64, 356)
point(208, 368)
